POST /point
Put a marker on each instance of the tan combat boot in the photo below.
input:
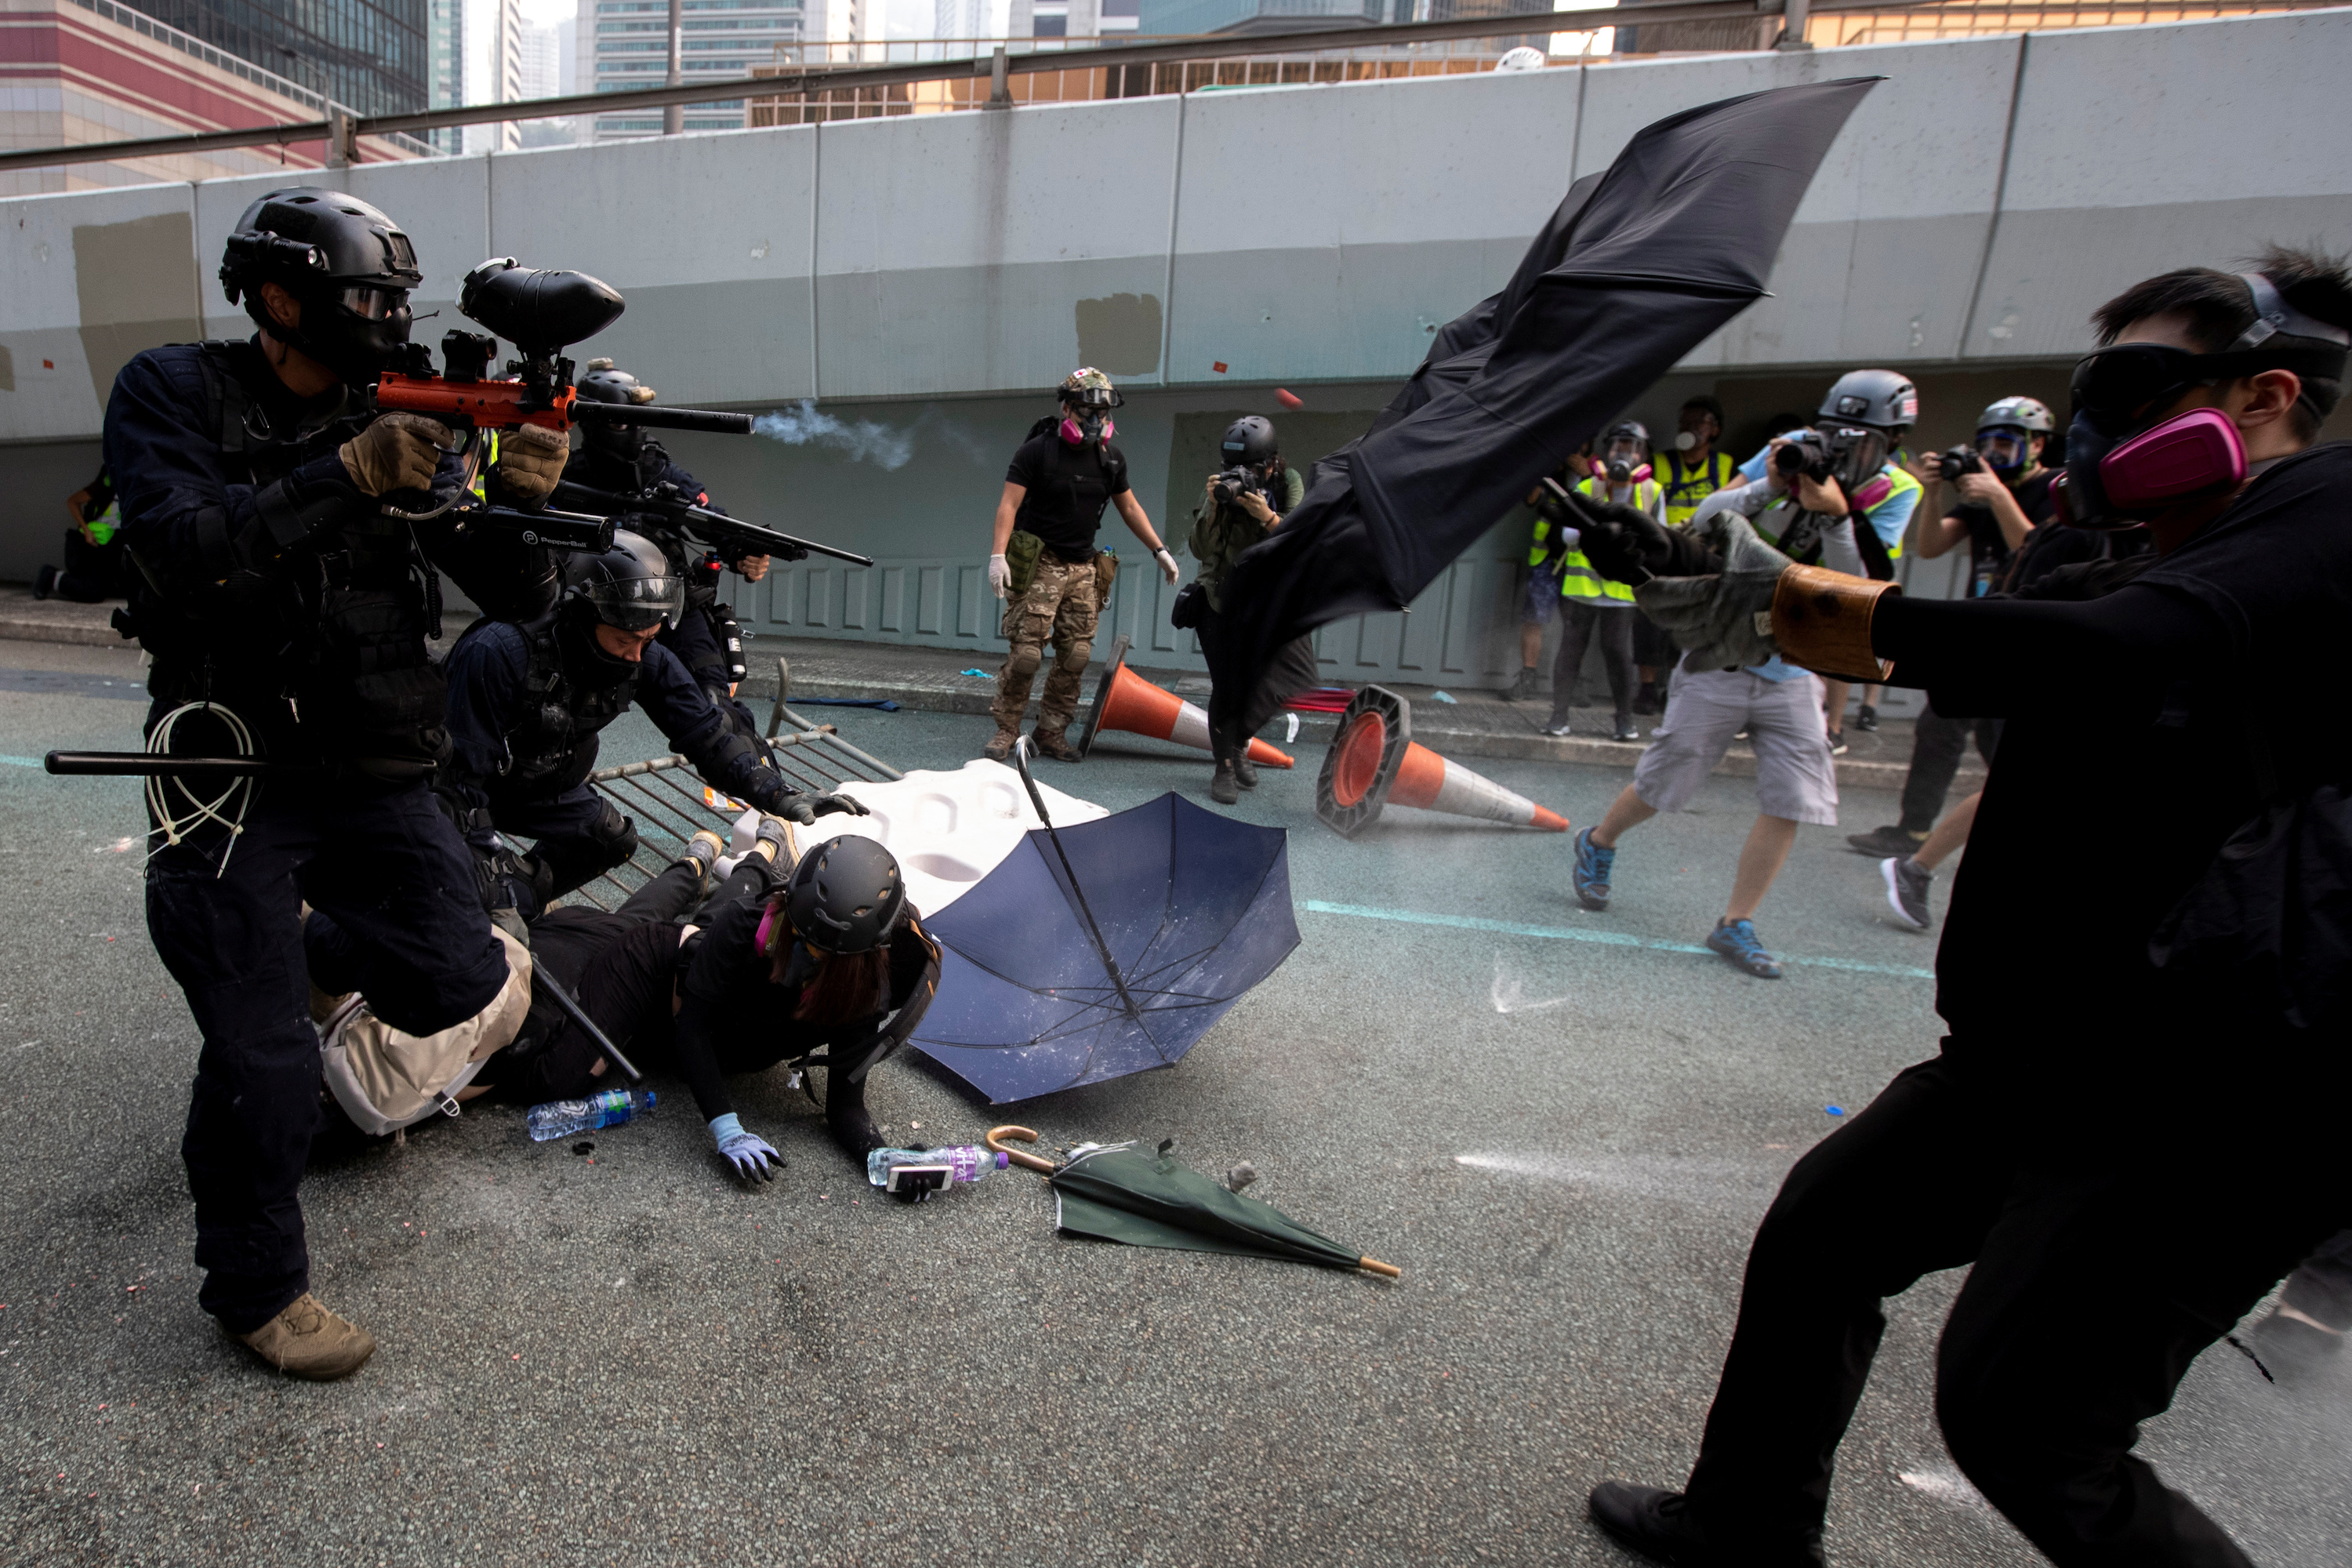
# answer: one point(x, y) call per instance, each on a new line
point(307, 1341)
point(1000, 746)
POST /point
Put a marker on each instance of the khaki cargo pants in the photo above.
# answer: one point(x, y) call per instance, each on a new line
point(1061, 607)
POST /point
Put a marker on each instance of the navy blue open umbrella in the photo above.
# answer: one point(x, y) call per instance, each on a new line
point(1106, 948)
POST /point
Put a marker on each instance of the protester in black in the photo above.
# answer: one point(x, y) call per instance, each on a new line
point(2067, 1143)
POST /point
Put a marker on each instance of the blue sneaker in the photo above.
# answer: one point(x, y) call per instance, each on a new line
point(1591, 877)
point(1735, 940)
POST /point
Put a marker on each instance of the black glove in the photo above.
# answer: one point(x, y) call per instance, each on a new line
point(1625, 544)
point(805, 809)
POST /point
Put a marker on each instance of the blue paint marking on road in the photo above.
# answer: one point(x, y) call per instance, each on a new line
point(21, 762)
point(1570, 933)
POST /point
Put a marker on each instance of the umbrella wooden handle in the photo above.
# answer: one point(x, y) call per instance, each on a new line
point(1375, 1266)
point(1021, 1157)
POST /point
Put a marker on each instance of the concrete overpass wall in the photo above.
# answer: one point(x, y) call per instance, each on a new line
point(924, 279)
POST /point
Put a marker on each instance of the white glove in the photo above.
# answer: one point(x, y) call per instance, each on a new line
point(1167, 564)
point(1000, 576)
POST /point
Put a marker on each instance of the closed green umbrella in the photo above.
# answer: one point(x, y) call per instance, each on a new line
point(1121, 1194)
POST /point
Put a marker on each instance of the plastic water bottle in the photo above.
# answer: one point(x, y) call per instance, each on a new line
point(965, 1162)
point(563, 1117)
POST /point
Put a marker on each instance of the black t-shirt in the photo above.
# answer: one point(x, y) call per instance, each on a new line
point(1988, 551)
point(1068, 488)
point(2123, 768)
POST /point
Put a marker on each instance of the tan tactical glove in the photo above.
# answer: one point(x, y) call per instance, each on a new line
point(531, 460)
point(397, 452)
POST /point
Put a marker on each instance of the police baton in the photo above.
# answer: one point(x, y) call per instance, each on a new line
point(552, 988)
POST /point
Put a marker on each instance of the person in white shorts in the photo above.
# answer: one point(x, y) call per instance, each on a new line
point(1776, 704)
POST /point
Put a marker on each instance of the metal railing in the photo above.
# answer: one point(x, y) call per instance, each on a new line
point(669, 805)
point(1981, 18)
point(267, 80)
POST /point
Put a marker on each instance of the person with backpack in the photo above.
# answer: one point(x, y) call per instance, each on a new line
point(1044, 565)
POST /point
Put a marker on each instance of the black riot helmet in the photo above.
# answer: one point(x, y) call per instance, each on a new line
point(631, 585)
point(347, 263)
point(846, 895)
point(1249, 443)
point(603, 383)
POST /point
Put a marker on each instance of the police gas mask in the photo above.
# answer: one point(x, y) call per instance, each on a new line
point(357, 330)
point(2128, 461)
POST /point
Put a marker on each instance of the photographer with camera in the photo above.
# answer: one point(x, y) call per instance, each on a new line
point(2002, 495)
point(1239, 507)
point(1590, 601)
point(286, 609)
point(1801, 505)
point(2064, 1146)
point(1044, 565)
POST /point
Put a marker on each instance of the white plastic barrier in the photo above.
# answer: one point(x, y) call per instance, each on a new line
point(947, 829)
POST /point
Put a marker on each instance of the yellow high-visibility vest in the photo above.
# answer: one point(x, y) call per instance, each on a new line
point(1578, 579)
point(1686, 488)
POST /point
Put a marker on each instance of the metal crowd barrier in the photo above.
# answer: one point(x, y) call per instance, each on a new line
point(670, 803)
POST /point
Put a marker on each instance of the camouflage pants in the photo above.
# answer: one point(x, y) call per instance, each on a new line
point(1061, 607)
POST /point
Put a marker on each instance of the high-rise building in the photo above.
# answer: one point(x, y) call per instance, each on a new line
point(506, 69)
point(624, 44)
point(370, 54)
point(446, 49)
point(542, 67)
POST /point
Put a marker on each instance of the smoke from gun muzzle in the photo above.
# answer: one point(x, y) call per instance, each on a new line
point(862, 441)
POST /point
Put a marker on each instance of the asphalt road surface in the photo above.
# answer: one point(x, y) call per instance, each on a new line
point(1563, 1126)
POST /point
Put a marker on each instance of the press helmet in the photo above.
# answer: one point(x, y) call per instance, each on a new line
point(603, 384)
point(846, 895)
point(1881, 399)
point(2028, 413)
point(631, 585)
point(1249, 442)
point(348, 264)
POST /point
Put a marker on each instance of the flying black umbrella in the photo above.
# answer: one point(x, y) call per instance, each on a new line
point(1116, 1192)
point(1106, 948)
point(1638, 266)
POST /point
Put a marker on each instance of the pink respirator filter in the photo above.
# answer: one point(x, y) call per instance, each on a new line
point(2198, 454)
point(1072, 433)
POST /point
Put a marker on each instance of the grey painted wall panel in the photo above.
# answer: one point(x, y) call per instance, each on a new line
point(59, 362)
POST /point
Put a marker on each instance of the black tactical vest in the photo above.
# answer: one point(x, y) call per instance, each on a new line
point(356, 671)
point(552, 746)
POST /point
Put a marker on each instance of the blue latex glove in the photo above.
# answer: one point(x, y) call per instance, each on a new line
point(754, 1158)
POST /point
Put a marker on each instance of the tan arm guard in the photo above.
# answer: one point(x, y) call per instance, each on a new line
point(1821, 619)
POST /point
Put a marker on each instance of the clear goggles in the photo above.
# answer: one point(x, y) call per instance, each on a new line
point(2004, 446)
point(1625, 449)
point(639, 604)
point(371, 303)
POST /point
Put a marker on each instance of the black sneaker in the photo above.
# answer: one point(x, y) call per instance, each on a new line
point(44, 582)
point(1837, 743)
point(1559, 732)
point(1646, 701)
point(1245, 773)
point(1522, 687)
point(1661, 1526)
point(1223, 788)
point(1628, 730)
point(1907, 882)
point(1867, 719)
point(1880, 842)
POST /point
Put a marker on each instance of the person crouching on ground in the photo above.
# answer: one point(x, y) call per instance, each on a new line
point(1044, 563)
point(1240, 506)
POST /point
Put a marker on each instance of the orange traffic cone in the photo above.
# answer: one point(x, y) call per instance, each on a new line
point(1374, 761)
point(1125, 700)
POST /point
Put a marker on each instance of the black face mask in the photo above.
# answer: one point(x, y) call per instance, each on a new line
point(584, 659)
point(354, 347)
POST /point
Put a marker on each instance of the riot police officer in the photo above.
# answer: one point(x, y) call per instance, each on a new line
point(624, 459)
point(527, 700)
point(285, 605)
